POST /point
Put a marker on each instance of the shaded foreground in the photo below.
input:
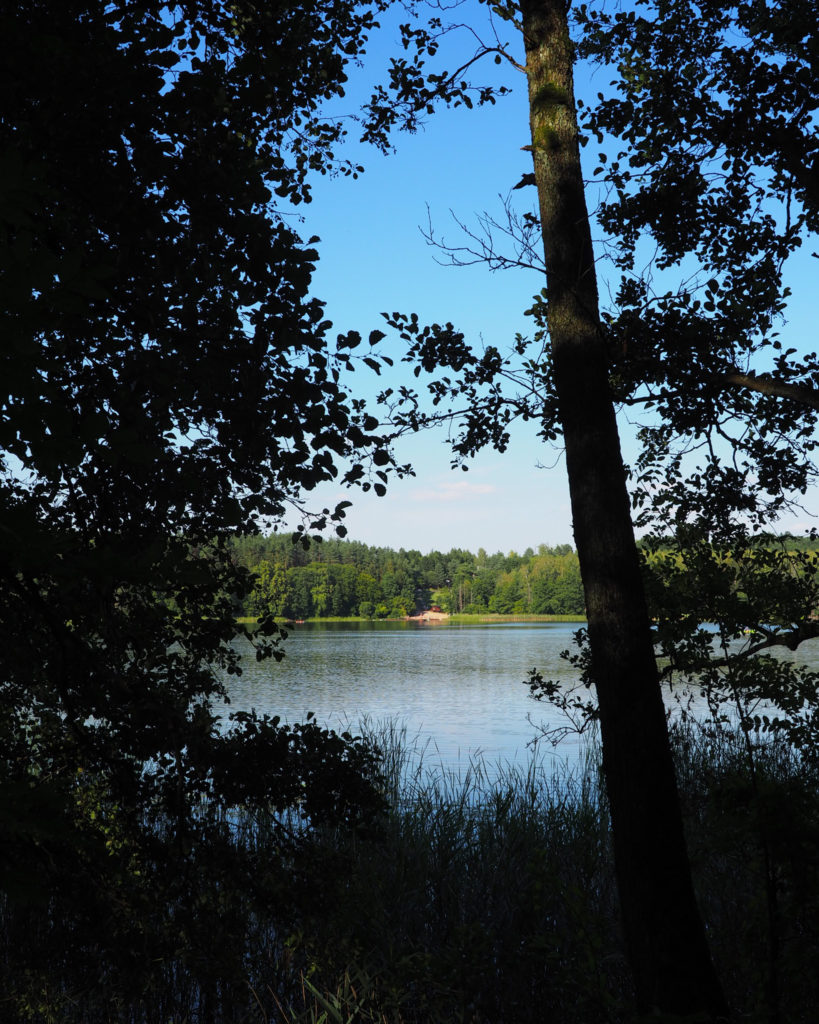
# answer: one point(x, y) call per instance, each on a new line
point(484, 898)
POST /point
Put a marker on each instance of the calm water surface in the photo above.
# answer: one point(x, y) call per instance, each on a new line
point(459, 689)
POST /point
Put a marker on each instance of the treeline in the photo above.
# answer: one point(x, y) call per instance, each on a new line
point(341, 578)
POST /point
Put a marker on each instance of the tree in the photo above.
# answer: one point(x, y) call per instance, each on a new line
point(702, 167)
point(667, 948)
point(668, 951)
point(168, 380)
point(270, 596)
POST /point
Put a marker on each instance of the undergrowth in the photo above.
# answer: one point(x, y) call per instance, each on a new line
point(481, 896)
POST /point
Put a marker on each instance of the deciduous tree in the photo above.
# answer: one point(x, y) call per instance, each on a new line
point(668, 951)
point(713, 110)
point(167, 380)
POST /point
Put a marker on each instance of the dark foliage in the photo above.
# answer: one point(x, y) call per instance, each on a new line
point(710, 126)
point(167, 381)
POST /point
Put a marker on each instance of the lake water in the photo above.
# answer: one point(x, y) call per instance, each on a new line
point(458, 689)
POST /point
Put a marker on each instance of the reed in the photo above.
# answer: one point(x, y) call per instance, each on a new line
point(490, 896)
point(483, 895)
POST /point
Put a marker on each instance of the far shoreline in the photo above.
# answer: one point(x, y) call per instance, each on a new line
point(458, 618)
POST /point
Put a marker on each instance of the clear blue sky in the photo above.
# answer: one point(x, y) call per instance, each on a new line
point(373, 258)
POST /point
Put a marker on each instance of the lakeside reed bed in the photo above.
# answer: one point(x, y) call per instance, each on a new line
point(484, 895)
point(491, 895)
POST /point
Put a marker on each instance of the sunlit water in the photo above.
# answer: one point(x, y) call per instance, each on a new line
point(458, 690)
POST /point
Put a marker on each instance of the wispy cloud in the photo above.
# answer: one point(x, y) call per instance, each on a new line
point(460, 490)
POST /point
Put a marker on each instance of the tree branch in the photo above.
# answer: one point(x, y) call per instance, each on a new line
point(807, 630)
point(765, 385)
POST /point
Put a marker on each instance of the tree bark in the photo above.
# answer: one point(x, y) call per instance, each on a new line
point(665, 936)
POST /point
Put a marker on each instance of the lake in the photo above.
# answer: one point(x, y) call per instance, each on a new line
point(458, 688)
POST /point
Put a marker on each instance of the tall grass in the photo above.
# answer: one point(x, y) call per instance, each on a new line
point(484, 895)
point(751, 807)
point(487, 896)
point(491, 896)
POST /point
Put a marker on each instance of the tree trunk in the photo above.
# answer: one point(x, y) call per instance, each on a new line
point(665, 937)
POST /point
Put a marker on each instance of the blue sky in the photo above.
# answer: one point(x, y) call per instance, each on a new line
point(374, 258)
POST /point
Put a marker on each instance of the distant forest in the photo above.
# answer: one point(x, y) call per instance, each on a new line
point(340, 578)
point(348, 578)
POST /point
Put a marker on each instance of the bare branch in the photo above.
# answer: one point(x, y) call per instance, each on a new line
point(522, 230)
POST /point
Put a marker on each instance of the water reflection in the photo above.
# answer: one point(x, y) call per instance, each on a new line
point(458, 688)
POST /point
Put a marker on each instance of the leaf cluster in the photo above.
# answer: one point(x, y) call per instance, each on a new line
point(713, 115)
point(168, 380)
point(484, 395)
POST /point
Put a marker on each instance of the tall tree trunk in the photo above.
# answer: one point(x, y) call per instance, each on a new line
point(665, 937)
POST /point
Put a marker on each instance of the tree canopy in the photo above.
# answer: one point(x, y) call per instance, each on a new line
point(156, 304)
point(347, 578)
point(701, 193)
point(168, 380)
point(710, 126)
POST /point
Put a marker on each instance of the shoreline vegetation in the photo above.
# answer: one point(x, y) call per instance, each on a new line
point(348, 581)
point(456, 619)
point(342, 579)
point(489, 895)
point(485, 894)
